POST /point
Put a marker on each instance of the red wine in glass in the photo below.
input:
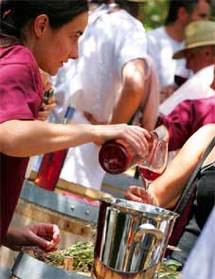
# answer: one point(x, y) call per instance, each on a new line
point(155, 165)
point(149, 174)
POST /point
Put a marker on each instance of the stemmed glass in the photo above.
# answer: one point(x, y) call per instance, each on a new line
point(155, 163)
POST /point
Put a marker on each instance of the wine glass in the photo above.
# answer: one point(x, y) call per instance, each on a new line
point(155, 163)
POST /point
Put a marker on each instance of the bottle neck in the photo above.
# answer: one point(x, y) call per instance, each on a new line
point(68, 115)
point(160, 132)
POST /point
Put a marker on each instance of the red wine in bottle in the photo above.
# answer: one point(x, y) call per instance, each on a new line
point(52, 163)
point(115, 157)
point(50, 169)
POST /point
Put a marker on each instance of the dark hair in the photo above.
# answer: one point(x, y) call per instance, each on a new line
point(175, 5)
point(99, 1)
point(15, 14)
point(131, 7)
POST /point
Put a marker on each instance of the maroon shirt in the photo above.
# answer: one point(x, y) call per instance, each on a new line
point(20, 98)
point(187, 118)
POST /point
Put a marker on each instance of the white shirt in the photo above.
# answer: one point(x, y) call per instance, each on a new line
point(93, 82)
point(197, 87)
point(161, 48)
point(110, 41)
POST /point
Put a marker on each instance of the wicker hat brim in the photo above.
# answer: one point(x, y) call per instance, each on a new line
point(181, 53)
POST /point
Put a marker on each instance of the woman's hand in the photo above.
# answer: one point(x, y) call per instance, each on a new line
point(46, 236)
point(47, 108)
point(139, 194)
point(137, 137)
point(49, 100)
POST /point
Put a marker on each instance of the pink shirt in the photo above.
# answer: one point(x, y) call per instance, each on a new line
point(20, 83)
point(20, 98)
point(187, 118)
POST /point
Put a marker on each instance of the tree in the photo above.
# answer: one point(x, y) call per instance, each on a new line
point(153, 13)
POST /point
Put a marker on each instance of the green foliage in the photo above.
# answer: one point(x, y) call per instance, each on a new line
point(154, 13)
point(169, 270)
point(81, 253)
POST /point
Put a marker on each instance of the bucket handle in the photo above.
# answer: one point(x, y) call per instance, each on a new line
point(148, 228)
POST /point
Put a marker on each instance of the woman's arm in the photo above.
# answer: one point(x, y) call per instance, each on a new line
point(27, 138)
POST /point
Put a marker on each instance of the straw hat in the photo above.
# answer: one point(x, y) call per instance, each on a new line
point(197, 34)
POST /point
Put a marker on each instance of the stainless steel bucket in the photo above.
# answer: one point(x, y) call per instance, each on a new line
point(131, 239)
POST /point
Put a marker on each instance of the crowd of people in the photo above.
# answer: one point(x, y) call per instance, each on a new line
point(112, 72)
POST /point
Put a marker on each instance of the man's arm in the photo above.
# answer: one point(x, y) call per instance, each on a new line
point(135, 93)
point(132, 92)
point(179, 124)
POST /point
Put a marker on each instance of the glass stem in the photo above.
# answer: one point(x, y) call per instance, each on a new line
point(146, 183)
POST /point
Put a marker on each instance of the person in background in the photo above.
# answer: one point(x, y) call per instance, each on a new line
point(166, 189)
point(187, 118)
point(201, 262)
point(199, 53)
point(164, 41)
point(39, 35)
point(112, 79)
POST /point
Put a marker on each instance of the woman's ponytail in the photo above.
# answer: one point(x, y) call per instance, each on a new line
point(8, 25)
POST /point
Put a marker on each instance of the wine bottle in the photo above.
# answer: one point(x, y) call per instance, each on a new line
point(115, 156)
point(52, 162)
